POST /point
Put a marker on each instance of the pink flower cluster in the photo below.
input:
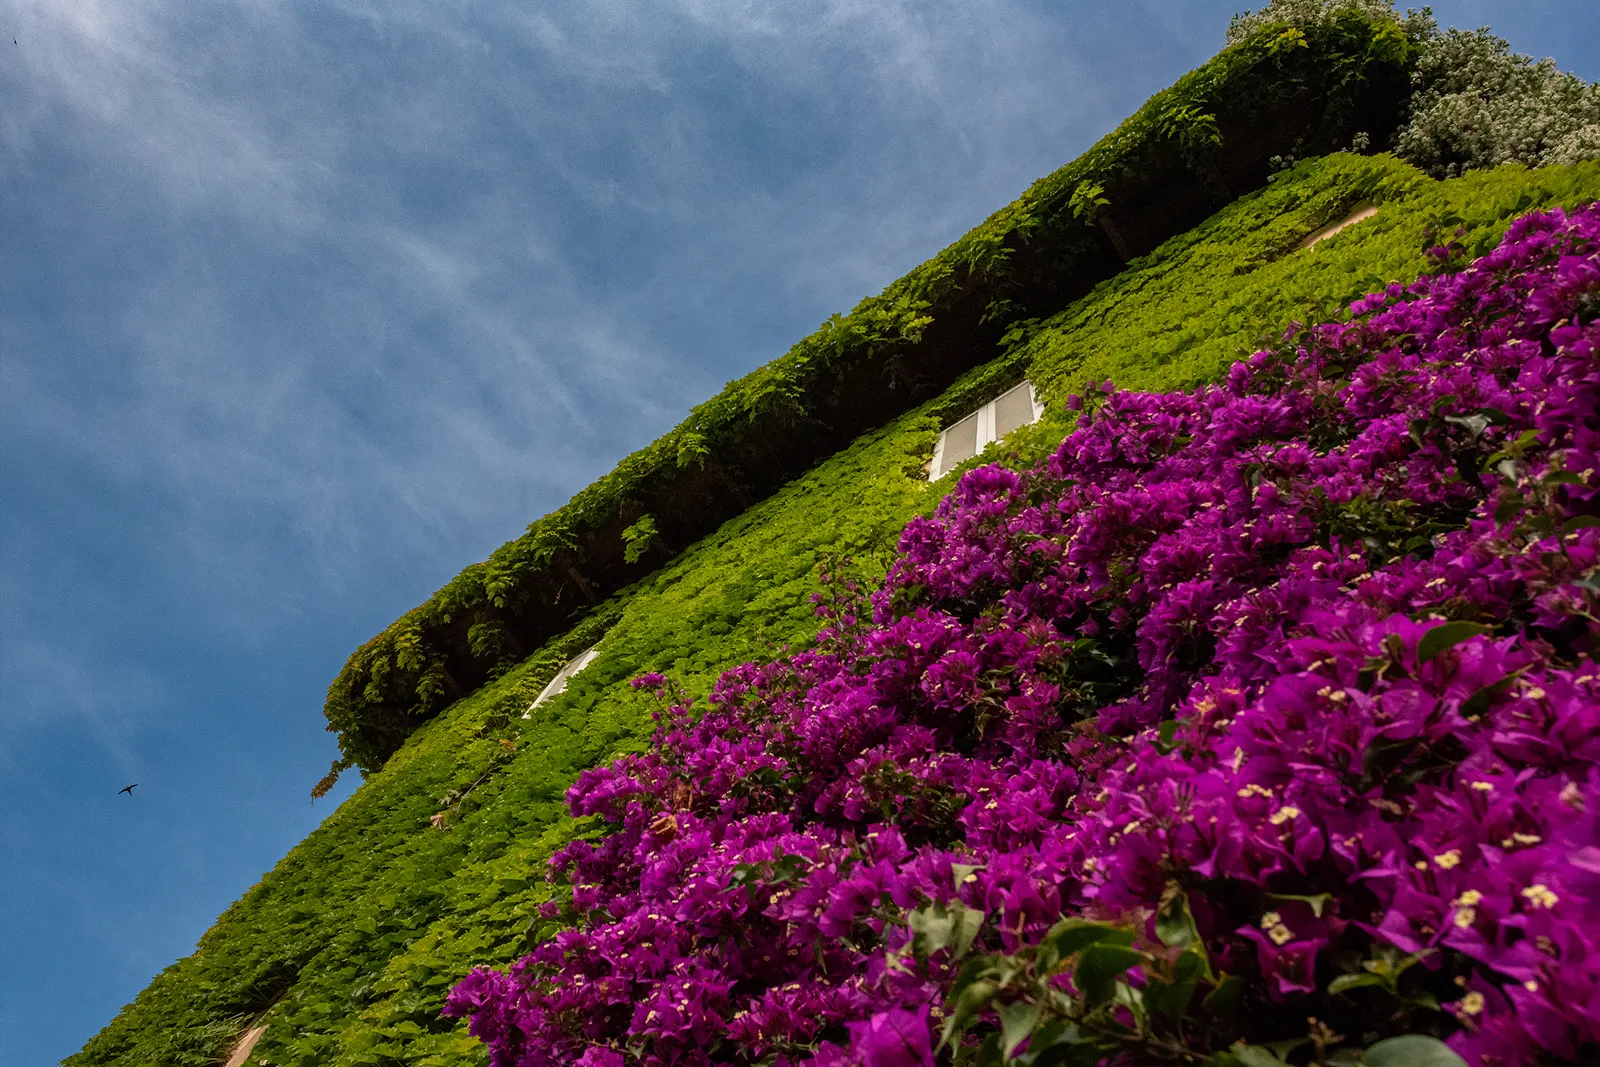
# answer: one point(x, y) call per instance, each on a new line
point(1314, 648)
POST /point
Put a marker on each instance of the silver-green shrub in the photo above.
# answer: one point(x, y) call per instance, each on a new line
point(1306, 13)
point(1475, 103)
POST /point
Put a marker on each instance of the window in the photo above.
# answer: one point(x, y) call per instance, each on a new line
point(1362, 212)
point(241, 1051)
point(965, 439)
point(558, 684)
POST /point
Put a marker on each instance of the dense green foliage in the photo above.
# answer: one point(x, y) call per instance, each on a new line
point(1190, 149)
point(436, 863)
point(1244, 278)
point(1474, 103)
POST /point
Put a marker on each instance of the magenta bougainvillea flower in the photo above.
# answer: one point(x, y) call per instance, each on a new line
point(893, 1038)
point(1310, 653)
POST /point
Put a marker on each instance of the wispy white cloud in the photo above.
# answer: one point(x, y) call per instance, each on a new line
point(143, 86)
point(418, 272)
point(106, 697)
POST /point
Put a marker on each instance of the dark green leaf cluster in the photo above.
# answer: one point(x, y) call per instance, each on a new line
point(1089, 991)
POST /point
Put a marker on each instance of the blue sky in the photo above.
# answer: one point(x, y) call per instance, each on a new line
point(305, 306)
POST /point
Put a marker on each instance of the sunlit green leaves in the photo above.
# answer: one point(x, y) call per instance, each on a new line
point(1017, 1021)
point(639, 537)
point(1088, 197)
point(1447, 635)
point(948, 926)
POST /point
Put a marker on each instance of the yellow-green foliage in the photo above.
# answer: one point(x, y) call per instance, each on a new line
point(1243, 279)
point(349, 945)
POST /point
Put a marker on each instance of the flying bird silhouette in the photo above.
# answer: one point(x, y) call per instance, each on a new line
point(128, 789)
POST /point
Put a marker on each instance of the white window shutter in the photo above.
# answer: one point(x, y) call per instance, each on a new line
point(1013, 409)
point(558, 684)
point(962, 440)
point(986, 426)
point(957, 444)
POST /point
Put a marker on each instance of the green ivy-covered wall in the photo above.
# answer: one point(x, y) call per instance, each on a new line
point(1189, 150)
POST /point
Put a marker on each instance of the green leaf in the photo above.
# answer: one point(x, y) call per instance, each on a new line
point(1578, 522)
point(1508, 507)
point(1317, 901)
point(1512, 449)
point(787, 867)
point(1390, 963)
point(636, 539)
point(1496, 416)
point(1165, 734)
point(1479, 702)
point(1474, 424)
point(960, 872)
point(988, 1054)
point(1172, 998)
point(1056, 1032)
point(1017, 1021)
point(938, 926)
point(972, 999)
point(930, 929)
point(1191, 965)
point(1087, 198)
point(1225, 997)
point(1256, 1056)
point(692, 450)
point(1561, 478)
point(1417, 430)
point(1063, 1044)
point(1281, 1049)
point(1446, 635)
point(1383, 755)
point(1346, 982)
point(1072, 935)
point(1175, 926)
point(1100, 967)
point(1412, 1050)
